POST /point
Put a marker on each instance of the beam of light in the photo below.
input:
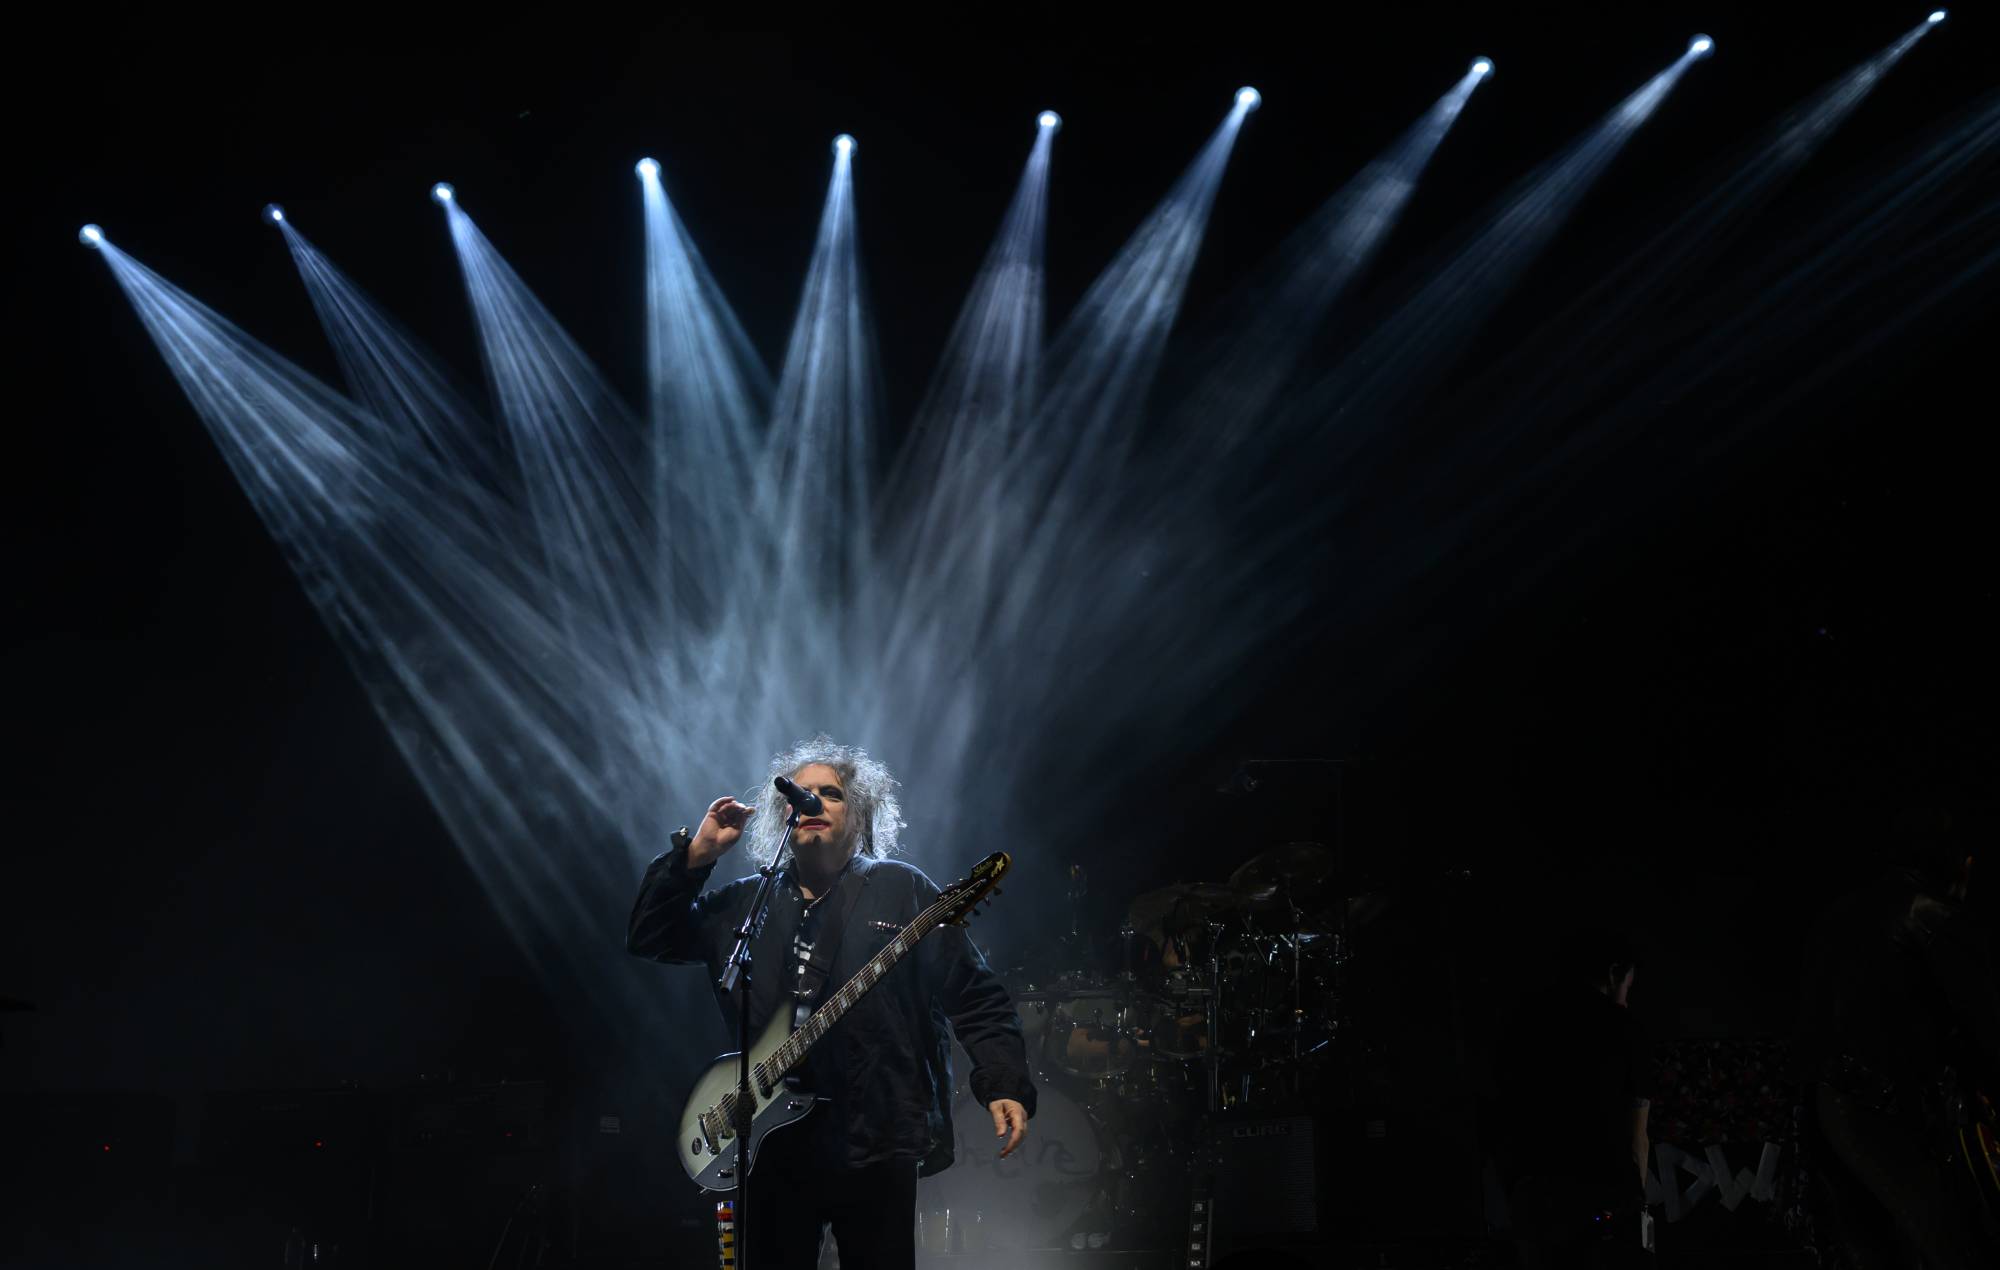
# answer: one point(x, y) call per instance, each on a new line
point(1937, 16)
point(1482, 66)
point(423, 424)
point(1843, 248)
point(946, 554)
point(1242, 359)
point(90, 236)
point(1248, 99)
point(648, 169)
point(443, 193)
point(1701, 46)
point(1729, 369)
point(814, 476)
point(274, 214)
point(1313, 456)
point(1401, 360)
point(1072, 579)
point(1742, 364)
point(489, 701)
point(1595, 342)
point(708, 393)
point(843, 145)
point(1049, 119)
point(580, 455)
point(986, 386)
point(1103, 360)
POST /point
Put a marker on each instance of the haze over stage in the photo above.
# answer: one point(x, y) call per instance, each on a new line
point(551, 592)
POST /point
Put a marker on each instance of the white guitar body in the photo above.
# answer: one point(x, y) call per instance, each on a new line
point(708, 1152)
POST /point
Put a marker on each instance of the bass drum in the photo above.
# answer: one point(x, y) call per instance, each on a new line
point(1031, 1199)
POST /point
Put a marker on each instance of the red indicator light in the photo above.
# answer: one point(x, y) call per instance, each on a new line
point(107, 1146)
point(319, 1142)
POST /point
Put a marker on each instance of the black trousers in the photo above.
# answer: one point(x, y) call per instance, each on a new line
point(796, 1197)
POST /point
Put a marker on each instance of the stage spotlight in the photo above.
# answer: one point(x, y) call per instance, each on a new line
point(843, 144)
point(1701, 46)
point(91, 236)
point(1483, 66)
point(442, 192)
point(274, 213)
point(648, 168)
point(1936, 17)
point(1249, 98)
point(1049, 119)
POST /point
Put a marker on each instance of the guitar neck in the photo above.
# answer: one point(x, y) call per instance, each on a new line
point(793, 1051)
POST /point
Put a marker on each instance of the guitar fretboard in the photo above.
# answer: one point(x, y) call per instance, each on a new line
point(793, 1051)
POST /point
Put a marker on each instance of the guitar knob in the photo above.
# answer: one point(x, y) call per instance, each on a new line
point(695, 1146)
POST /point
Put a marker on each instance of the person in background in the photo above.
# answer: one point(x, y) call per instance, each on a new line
point(1898, 1004)
point(1574, 1079)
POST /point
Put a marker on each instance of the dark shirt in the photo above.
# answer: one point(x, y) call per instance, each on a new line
point(1573, 1067)
point(886, 1066)
point(1899, 979)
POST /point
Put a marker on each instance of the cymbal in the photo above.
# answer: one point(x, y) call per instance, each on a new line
point(1296, 871)
point(1185, 905)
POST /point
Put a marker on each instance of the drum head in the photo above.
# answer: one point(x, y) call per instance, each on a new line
point(1031, 1199)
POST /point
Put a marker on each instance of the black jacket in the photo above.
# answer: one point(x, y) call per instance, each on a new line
point(1573, 1066)
point(886, 1065)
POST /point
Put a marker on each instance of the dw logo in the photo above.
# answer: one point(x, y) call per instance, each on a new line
point(1711, 1173)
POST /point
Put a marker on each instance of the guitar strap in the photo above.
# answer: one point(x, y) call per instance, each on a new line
point(833, 924)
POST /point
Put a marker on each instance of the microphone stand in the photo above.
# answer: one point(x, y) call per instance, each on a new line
point(736, 978)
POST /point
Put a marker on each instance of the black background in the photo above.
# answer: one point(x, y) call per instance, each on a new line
point(222, 876)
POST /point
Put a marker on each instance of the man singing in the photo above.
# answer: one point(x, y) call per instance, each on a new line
point(884, 1071)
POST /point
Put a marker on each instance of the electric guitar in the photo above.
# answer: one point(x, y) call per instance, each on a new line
point(1972, 1134)
point(707, 1145)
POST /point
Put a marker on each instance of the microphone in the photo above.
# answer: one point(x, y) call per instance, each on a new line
point(803, 801)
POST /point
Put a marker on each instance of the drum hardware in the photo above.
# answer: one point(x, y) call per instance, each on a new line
point(1210, 998)
point(1079, 886)
point(1214, 1015)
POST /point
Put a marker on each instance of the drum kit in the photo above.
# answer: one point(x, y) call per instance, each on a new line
point(1210, 996)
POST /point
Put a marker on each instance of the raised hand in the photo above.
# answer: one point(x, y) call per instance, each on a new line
point(720, 830)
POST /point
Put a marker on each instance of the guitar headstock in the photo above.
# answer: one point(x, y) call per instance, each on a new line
point(958, 902)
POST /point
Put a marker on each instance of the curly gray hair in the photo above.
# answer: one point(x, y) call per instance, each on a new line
point(871, 799)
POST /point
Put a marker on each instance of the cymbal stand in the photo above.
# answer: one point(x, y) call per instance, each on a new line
point(1293, 915)
point(1214, 1016)
point(1079, 886)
